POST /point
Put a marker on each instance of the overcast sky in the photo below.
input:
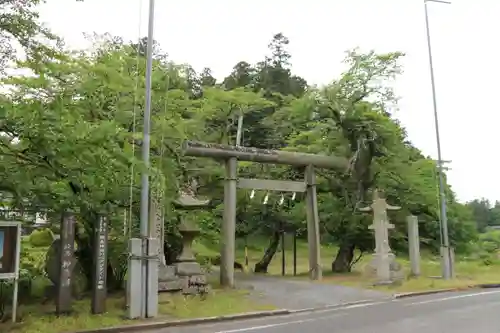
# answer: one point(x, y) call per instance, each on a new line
point(219, 33)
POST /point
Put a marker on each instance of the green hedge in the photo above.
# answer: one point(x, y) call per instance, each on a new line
point(41, 238)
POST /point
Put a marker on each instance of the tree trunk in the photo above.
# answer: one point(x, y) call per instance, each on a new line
point(262, 265)
point(344, 258)
point(84, 255)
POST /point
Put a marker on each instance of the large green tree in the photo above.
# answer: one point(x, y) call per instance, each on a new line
point(72, 133)
point(21, 29)
point(72, 140)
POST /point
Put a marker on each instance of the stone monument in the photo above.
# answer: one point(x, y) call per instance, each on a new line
point(157, 228)
point(186, 274)
point(413, 245)
point(52, 268)
point(383, 264)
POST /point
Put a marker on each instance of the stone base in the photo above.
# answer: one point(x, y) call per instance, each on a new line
point(193, 285)
point(383, 283)
point(187, 268)
point(185, 277)
point(50, 293)
point(167, 279)
point(385, 269)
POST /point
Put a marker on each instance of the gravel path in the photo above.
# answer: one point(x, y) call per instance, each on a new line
point(297, 294)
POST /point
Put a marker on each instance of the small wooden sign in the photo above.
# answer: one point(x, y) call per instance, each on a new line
point(100, 266)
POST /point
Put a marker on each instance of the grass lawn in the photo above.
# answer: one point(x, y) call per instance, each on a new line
point(37, 318)
point(40, 318)
point(468, 273)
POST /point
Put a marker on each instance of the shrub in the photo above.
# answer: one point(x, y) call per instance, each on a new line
point(41, 238)
point(487, 248)
point(118, 260)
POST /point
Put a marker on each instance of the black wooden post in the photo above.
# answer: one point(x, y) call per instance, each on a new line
point(66, 261)
point(100, 259)
point(283, 256)
point(294, 252)
point(246, 253)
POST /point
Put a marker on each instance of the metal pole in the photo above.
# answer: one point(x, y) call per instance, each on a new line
point(145, 158)
point(444, 219)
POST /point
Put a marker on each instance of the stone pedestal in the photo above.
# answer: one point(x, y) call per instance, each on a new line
point(385, 269)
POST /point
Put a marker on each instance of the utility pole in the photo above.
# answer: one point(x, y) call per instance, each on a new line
point(447, 264)
point(142, 281)
point(147, 126)
point(444, 168)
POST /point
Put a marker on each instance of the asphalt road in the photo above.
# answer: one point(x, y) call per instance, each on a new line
point(462, 312)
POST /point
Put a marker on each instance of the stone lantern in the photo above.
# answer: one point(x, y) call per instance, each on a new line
point(187, 269)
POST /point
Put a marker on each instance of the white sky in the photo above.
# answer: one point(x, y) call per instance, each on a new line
point(219, 33)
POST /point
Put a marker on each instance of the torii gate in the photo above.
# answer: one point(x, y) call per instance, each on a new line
point(230, 154)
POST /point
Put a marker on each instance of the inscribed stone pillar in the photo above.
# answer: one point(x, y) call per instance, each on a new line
point(100, 260)
point(67, 263)
point(413, 245)
point(156, 228)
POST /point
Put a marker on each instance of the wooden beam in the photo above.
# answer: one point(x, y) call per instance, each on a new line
point(272, 185)
point(217, 151)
